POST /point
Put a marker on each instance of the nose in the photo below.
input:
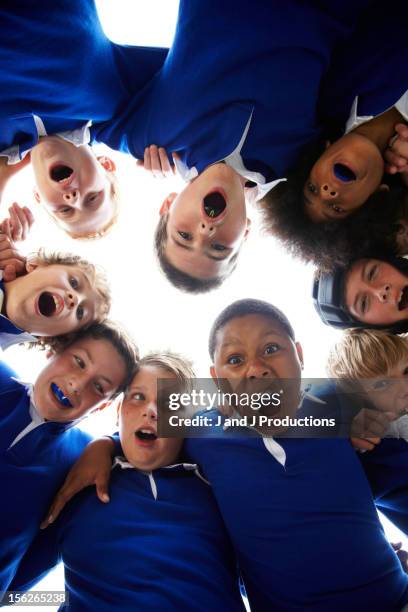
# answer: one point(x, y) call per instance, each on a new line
point(71, 299)
point(76, 384)
point(327, 192)
point(383, 293)
point(206, 229)
point(257, 369)
point(71, 197)
point(151, 411)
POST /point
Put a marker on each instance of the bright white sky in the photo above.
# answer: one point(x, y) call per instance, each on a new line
point(158, 316)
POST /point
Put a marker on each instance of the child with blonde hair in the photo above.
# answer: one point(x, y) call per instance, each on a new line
point(373, 364)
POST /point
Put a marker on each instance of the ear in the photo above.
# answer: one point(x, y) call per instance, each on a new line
point(248, 228)
point(213, 374)
point(107, 163)
point(165, 207)
point(327, 144)
point(31, 265)
point(50, 353)
point(36, 195)
point(299, 351)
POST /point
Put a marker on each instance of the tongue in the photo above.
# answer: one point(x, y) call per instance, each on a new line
point(46, 304)
point(343, 173)
point(214, 204)
point(59, 173)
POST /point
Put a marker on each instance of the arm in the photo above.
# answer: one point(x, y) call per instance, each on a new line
point(92, 468)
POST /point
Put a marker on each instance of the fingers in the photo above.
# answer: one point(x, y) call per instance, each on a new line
point(62, 498)
point(102, 488)
point(364, 444)
point(371, 424)
point(156, 161)
point(395, 163)
point(21, 220)
point(402, 130)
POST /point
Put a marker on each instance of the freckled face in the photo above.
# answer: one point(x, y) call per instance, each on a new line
point(138, 423)
point(82, 377)
point(342, 179)
point(376, 292)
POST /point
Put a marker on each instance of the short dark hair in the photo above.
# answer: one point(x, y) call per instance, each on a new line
point(372, 228)
point(113, 333)
point(179, 279)
point(242, 308)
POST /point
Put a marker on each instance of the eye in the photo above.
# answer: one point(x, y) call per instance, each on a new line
point(185, 235)
point(99, 389)
point(234, 360)
point(405, 372)
point(80, 362)
point(272, 348)
point(92, 197)
point(138, 396)
point(381, 384)
point(74, 282)
point(372, 272)
point(311, 188)
point(80, 311)
point(364, 304)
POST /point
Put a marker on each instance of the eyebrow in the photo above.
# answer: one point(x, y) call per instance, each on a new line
point(206, 253)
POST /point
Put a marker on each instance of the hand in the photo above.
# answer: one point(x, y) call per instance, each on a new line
point(396, 155)
point(17, 226)
point(402, 555)
point(12, 262)
point(156, 162)
point(92, 468)
point(368, 427)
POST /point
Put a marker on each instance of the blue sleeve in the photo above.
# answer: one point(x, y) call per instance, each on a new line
point(386, 468)
point(42, 556)
point(116, 440)
point(6, 373)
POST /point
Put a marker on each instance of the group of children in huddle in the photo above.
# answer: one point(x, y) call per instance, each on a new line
point(191, 525)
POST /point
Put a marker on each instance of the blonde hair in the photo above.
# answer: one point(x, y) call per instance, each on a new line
point(95, 274)
point(173, 363)
point(366, 353)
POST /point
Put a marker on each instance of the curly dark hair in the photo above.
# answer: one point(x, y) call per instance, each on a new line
point(372, 228)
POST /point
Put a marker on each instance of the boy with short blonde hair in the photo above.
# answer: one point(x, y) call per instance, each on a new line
point(55, 294)
point(373, 364)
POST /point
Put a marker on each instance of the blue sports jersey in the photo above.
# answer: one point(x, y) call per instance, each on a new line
point(301, 516)
point(35, 457)
point(159, 544)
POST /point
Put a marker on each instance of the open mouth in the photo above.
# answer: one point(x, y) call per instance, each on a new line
point(60, 397)
point(403, 301)
point(61, 173)
point(146, 435)
point(49, 304)
point(214, 204)
point(343, 173)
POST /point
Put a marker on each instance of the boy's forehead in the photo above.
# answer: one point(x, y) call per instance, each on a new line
point(249, 327)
